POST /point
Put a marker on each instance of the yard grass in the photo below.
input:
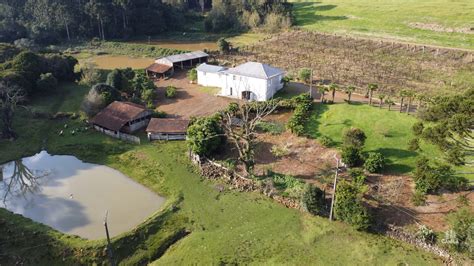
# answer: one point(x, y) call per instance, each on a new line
point(387, 132)
point(390, 19)
point(209, 90)
point(226, 227)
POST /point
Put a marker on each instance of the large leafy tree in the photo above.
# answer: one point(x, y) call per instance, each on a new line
point(449, 124)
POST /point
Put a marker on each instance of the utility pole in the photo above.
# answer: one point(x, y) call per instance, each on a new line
point(311, 84)
point(334, 189)
point(109, 245)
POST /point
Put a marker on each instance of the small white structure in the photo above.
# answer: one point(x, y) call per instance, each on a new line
point(250, 81)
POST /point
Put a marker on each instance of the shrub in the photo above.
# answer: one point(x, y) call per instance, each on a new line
point(304, 75)
point(204, 135)
point(357, 175)
point(99, 96)
point(375, 162)
point(270, 127)
point(300, 115)
point(349, 207)
point(287, 184)
point(89, 74)
point(326, 141)
point(115, 79)
point(47, 83)
point(170, 92)
point(158, 114)
point(352, 156)
point(414, 144)
point(192, 75)
point(419, 198)
point(312, 199)
point(223, 45)
point(461, 233)
point(148, 96)
point(426, 234)
point(279, 151)
point(354, 137)
point(430, 179)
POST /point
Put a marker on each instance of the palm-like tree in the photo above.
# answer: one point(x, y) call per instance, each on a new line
point(389, 102)
point(333, 88)
point(381, 97)
point(371, 88)
point(402, 94)
point(349, 90)
point(410, 95)
point(322, 90)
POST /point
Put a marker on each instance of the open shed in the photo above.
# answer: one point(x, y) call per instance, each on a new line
point(167, 129)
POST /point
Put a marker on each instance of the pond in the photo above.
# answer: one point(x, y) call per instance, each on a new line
point(119, 61)
point(72, 196)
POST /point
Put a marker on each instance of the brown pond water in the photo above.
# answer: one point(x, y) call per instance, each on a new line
point(120, 61)
point(72, 196)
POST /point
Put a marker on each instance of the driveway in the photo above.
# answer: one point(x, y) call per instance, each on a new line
point(191, 100)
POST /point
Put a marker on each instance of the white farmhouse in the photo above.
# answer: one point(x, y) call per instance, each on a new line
point(250, 81)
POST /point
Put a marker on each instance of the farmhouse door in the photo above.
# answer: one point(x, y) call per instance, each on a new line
point(246, 95)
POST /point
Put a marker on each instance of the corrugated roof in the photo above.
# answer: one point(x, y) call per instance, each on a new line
point(210, 68)
point(158, 68)
point(186, 56)
point(256, 70)
point(167, 125)
point(117, 114)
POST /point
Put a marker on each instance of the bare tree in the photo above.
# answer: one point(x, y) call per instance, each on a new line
point(239, 122)
point(10, 97)
point(21, 181)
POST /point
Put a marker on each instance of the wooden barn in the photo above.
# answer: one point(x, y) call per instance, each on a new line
point(165, 66)
point(167, 129)
point(123, 117)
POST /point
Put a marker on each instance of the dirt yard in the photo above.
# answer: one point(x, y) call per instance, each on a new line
point(190, 100)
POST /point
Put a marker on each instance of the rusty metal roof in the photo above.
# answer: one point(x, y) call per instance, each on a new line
point(186, 56)
point(167, 125)
point(117, 114)
point(158, 68)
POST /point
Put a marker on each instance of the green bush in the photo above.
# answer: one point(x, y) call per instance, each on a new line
point(192, 75)
point(312, 199)
point(270, 127)
point(426, 234)
point(326, 141)
point(304, 75)
point(349, 205)
point(354, 137)
point(414, 144)
point(375, 162)
point(171, 92)
point(461, 233)
point(301, 113)
point(158, 114)
point(418, 198)
point(352, 156)
point(430, 179)
point(204, 135)
point(357, 175)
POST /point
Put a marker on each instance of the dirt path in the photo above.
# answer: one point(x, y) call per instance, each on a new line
point(190, 100)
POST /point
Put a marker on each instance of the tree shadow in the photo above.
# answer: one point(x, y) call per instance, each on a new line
point(314, 122)
point(307, 13)
point(395, 168)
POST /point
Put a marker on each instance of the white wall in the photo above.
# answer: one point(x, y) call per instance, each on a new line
point(210, 79)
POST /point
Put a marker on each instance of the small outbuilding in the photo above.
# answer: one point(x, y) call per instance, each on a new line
point(165, 66)
point(156, 70)
point(123, 117)
point(167, 129)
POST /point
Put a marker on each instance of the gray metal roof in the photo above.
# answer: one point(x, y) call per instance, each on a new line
point(256, 70)
point(186, 56)
point(210, 68)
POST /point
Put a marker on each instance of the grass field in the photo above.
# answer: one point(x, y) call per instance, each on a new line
point(387, 132)
point(226, 227)
point(390, 19)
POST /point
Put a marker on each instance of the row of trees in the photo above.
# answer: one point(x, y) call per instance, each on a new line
point(48, 21)
point(271, 15)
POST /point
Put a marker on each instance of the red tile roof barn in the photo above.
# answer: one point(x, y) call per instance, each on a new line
point(167, 125)
point(158, 68)
point(117, 114)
